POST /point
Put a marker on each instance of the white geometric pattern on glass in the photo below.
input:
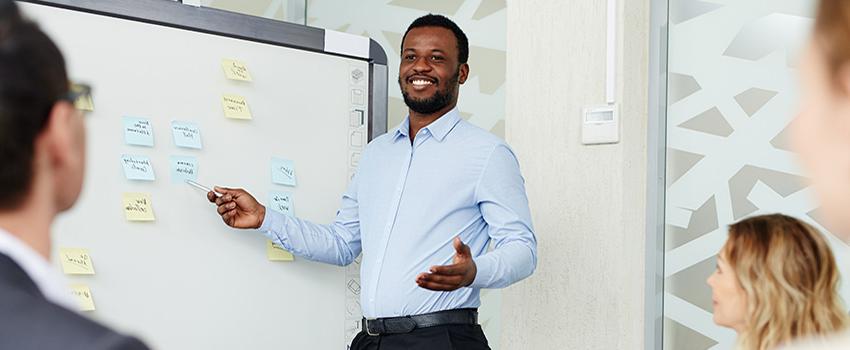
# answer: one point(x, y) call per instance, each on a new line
point(732, 93)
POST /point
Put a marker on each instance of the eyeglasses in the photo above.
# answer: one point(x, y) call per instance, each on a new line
point(80, 96)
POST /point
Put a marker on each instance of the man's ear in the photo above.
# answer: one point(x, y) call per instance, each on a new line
point(58, 134)
point(463, 73)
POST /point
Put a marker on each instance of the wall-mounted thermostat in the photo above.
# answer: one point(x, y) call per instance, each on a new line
point(600, 125)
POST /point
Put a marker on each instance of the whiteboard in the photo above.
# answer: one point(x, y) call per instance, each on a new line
point(186, 281)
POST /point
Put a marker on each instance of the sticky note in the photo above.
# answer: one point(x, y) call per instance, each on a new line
point(138, 132)
point(137, 167)
point(186, 134)
point(235, 70)
point(84, 298)
point(138, 207)
point(235, 107)
point(76, 261)
point(184, 168)
point(84, 102)
point(281, 202)
point(276, 253)
point(283, 171)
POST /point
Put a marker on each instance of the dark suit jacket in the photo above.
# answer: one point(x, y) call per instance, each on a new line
point(28, 321)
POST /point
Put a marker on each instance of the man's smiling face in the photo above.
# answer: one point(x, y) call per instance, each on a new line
point(429, 73)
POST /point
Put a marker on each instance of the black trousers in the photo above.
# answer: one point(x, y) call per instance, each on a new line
point(448, 337)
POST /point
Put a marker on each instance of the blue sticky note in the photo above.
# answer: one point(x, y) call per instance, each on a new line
point(137, 167)
point(186, 134)
point(283, 171)
point(184, 168)
point(281, 202)
point(138, 131)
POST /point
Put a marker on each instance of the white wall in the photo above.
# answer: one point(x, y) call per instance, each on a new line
point(588, 202)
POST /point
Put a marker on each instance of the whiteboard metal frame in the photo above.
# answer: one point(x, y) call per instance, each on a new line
point(245, 27)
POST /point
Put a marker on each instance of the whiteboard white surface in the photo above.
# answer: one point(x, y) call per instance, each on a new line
point(186, 281)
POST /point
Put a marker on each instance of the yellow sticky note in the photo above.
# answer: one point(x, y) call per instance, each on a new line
point(84, 101)
point(276, 253)
point(138, 207)
point(235, 107)
point(76, 261)
point(235, 70)
point(83, 296)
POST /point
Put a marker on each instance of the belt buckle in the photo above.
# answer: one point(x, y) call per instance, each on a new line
point(369, 330)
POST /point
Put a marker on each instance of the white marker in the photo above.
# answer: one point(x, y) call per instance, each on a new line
point(202, 187)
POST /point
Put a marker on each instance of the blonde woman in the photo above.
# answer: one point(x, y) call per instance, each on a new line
point(776, 280)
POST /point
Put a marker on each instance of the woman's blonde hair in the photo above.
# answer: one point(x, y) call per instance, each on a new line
point(790, 279)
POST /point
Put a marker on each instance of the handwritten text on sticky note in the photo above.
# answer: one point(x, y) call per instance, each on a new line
point(138, 132)
point(235, 70)
point(186, 134)
point(76, 261)
point(138, 207)
point(235, 107)
point(276, 253)
point(137, 167)
point(84, 298)
point(183, 168)
point(281, 202)
point(283, 171)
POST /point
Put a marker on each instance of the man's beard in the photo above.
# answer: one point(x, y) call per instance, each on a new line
point(438, 101)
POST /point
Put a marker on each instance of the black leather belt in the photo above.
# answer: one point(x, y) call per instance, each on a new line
point(406, 324)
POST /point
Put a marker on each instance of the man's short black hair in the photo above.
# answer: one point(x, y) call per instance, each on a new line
point(32, 80)
point(432, 20)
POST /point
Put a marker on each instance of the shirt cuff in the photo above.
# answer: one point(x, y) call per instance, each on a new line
point(485, 266)
point(270, 221)
point(273, 227)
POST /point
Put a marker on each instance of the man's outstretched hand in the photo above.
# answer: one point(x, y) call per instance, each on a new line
point(459, 274)
point(237, 207)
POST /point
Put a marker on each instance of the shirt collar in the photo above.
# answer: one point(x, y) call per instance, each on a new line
point(403, 130)
point(48, 279)
point(439, 128)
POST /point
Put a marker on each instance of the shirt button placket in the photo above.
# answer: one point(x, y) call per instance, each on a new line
point(390, 223)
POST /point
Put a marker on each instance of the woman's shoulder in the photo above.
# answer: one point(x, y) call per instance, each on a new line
point(834, 342)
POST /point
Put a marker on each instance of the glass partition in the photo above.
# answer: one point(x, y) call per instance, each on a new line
point(731, 93)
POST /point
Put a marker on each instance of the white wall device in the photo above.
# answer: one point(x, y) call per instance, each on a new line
point(600, 125)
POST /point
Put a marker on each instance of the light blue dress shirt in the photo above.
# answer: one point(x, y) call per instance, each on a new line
point(405, 205)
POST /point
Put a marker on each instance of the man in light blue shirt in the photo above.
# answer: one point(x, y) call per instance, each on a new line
point(427, 200)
